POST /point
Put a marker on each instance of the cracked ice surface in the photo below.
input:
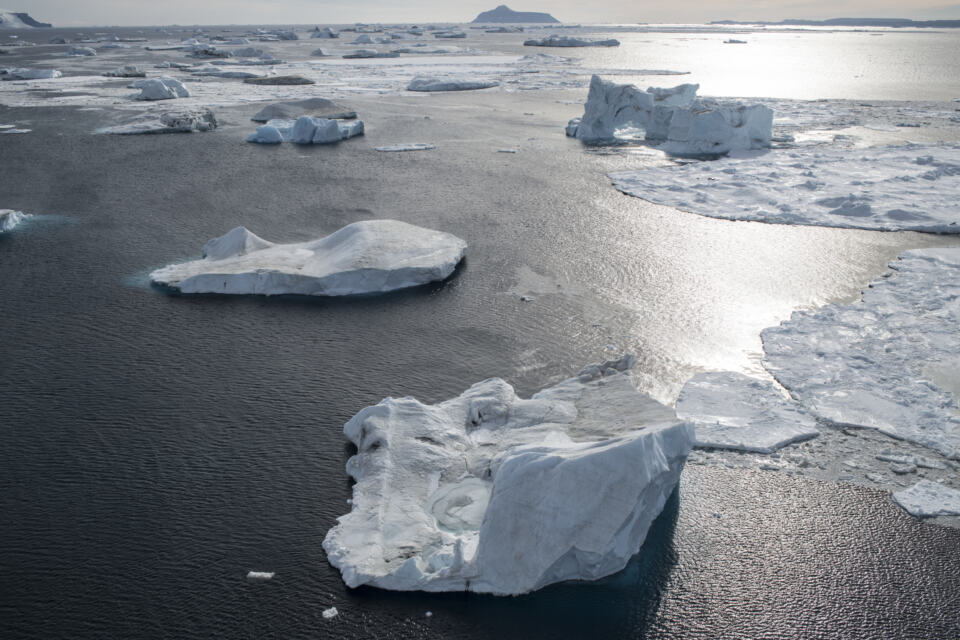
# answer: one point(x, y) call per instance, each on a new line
point(912, 187)
point(926, 499)
point(492, 493)
point(889, 362)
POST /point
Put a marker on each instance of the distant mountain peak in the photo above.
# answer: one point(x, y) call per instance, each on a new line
point(503, 13)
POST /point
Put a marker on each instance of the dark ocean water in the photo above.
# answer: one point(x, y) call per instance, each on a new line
point(154, 448)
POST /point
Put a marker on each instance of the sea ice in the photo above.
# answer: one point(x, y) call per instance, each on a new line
point(910, 187)
point(170, 122)
point(426, 83)
point(889, 362)
point(489, 492)
point(410, 146)
point(554, 40)
point(126, 71)
point(10, 218)
point(316, 107)
point(927, 499)
point(306, 130)
point(733, 411)
point(371, 256)
point(330, 613)
point(162, 88)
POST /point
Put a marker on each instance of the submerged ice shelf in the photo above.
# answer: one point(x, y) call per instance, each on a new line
point(910, 187)
point(492, 493)
point(364, 257)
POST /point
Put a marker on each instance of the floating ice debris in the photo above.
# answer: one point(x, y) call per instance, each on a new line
point(673, 117)
point(162, 88)
point(927, 499)
point(81, 51)
point(278, 80)
point(316, 107)
point(286, 35)
point(911, 187)
point(10, 218)
point(31, 74)
point(320, 53)
point(306, 130)
point(364, 257)
point(170, 122)
point(126, 71)
point(325, 33)
point(554, 40)
point(492, 493)
point(247, 52)
point(371, 53)
point(427, 83)
point(410, 146)
point(15, 131)
point(430, 51)
point(330, 613)
point(880, 363)
point(734, 411)
point(513, 29)
point(260, 575)
point(167, 64)
point(527, 298)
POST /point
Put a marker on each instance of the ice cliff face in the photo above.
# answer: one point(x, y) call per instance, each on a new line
point(364, 257)
point(674, 117)
point(489, 492)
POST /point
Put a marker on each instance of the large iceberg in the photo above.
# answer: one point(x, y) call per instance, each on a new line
point(554, 40)
point(910, 187)
point(672, 117)
point(492, 493)
point(306, 130)
point(364, 257)
point(889, 362)
point(10, 218)
point(428, 83)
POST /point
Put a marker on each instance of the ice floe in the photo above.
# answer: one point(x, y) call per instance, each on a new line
point(554, 40)
point(910, 187)
point(427, 83)
point(926, 499)
point(10, 218)
point(410, 146)
point(81, 51)
point(31, 74)
point(184, 121)
point(364, 257)
point(330, 613)
point(306, 130)
point(162, 88)
point(293, 109)
point(489, 492)
point(126, 71)
point(324, 33)
point(734, 411)
point(260, 575)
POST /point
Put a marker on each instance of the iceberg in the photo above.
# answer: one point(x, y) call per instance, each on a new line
point(503, 13)
point(928, 499)
point(330, 613)
point(370, 256)
point(19, 20)
point(673, 117)
point(81, 51)
point(260, 575)
point(554, 40)
point(306, 130)
point(450, 34)
point(910, 187)
point(426, 83)
point(733, 411)
point(325, 33)
point(316, 107)
point(10, 218)
point(126, 71)
point(492, 493)
point(31, 74)
point(185, 121)
point(888, 362)
point(162, 88)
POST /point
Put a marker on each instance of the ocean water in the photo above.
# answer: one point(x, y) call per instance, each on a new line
point(154, 447)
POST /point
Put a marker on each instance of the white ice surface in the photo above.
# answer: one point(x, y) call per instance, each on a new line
point(10, 218)
point(733, 411)
point(330, 613)
point(926, 499)
point(81, 51)
point(33, 74)
point(554, 40)
point(911, 187)
point(427, 83)
point(364, 257)
point(162, 88)
point(492, 493)
point(890, 362)
point(306, 130)
point(260, 575)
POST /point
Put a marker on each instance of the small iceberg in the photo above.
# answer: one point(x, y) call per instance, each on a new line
point(30, 74)
point(10, 219)
point(554, 40)
point(371, 256)
point(126, 71)
point(428, 83)
point(306, 130)
point(329, 614)
point(186, 121)
point(492, 493)
point(410, 146)
point(325, 33)
point(162, 88)
point(81, 51)
point(260, 575)
point(927, 499)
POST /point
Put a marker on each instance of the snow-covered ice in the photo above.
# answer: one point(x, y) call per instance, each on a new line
point(554, 40)
point(162, 88)
point(410, 146)
point(889, 362)
point(330, 613)
point(184, 121)
point(910, 187)
point(734, 411)
point(926, 499)
point(364, 257)
point(492, 493)
point(10, 218)
point(306, 130)
point(428, 83)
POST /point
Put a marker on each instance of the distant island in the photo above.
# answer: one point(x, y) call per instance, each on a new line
point(503, 13)
point(853, 22)
point(19, 20)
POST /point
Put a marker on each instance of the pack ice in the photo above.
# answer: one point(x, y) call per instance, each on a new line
point(911, 187)
point(492, 493)
point(364, 257)
point(673, 117)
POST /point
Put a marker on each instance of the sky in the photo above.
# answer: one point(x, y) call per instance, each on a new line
point(68, 13)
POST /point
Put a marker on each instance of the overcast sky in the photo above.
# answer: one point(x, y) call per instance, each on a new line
point(162, 12)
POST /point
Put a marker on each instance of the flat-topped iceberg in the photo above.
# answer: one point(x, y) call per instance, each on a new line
point(673, 118)
point(81, 51)
point(306, 130)
point(889, 362)
point(364, 257)
point(10, 218)
point(185, 121)
point(492, 493)
point(428, 83)
point(910, 187)
point(162, 88)
point(554, 40)
point(927, 499)
point(733, 411)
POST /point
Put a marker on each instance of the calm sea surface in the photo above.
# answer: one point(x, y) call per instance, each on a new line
point(154, 448)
